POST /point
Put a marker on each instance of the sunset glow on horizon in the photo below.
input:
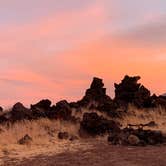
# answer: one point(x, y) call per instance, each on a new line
point(52, 49)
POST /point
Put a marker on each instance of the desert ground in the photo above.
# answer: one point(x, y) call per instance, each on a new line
point(47, 150)
point(88, 152)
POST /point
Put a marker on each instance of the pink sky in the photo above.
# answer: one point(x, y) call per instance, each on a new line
point(53, 49)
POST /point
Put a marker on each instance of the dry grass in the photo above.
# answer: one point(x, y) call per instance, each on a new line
point(143, 116)
point(43, 133)
point(40, 130)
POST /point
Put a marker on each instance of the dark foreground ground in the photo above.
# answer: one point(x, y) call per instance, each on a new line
point(100, 154)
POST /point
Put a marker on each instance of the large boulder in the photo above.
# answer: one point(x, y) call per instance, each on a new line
point(41, 109)
point(61, 110)
point(130, 91)
point(20, 112)
point(94, 125)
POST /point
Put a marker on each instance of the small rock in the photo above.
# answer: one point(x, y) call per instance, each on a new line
point(25, 140)
point(63, 135)
point(133, 140)
point(73, 138)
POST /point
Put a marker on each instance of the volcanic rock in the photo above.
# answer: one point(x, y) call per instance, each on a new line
point(133, 140)
point(5, 117)
point(25, 140)
point(96, 98)
point(130, 91)
point(73, 138)
point(63, 135)
point(159, 101)
point(20, 112)
point(137, 137)
point(41, 109)
point(1, 109)
point(94, 125)
point(61, 111)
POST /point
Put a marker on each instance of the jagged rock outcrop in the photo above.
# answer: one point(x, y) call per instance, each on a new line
point(94, 125)
point(20, 112)
point(96, 94)
point(130, 91)
point(61, 110)
point(41, 109)
point(96, 98)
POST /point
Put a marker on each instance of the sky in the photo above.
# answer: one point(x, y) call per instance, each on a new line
point(52, 49)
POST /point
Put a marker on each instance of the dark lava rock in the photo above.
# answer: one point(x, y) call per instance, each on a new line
point(73, 138)
point(96, 93)
point(1, 109)
point(25, 140)
point(130, 91)
point(61, 111)
point(41, 109)
point(63, 135)
point(133, 140)
point(19, 112)
point(94, 125)
point(136, 137)
point(96, 98)
point(159, 101)
point(5, 117)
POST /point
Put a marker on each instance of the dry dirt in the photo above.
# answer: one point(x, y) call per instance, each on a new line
point(93, 152)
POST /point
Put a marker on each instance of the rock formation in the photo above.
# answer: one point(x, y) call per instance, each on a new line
point(20, 112)
point(61, 110)
point(130, 91)
point(94, 125)
point(96, 98)
point(41, 109)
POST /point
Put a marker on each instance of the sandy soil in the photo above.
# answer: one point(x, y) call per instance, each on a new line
point(91, 153)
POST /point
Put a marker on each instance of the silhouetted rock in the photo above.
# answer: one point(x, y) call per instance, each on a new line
point(159, 101)
point(41, 109)
point(96, 94)
point(1, 109)
point(93, 125)
point(96, 98)
point(25, 140)
point(130, 91)
point(61, 111)
point(19, 112)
